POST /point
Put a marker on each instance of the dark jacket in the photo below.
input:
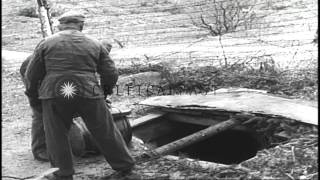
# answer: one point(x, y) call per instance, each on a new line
point(23, 68)
point(34, 102)
point(70, 58)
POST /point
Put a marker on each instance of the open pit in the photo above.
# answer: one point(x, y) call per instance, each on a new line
point(232, 146)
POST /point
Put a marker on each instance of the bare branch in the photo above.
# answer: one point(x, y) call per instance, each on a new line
point(217, 20)
point(119, 43)
point(225, 16)
point(207, 26)
point(221, 17)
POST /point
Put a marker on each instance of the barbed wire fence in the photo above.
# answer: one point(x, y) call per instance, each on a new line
point(155, 31)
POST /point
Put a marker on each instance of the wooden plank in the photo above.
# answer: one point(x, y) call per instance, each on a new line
point(198, 120)
point(119, 112)
point(146, 118)
point(242, 101)
point(206, 164)
point(43, 175)
point(197, 111)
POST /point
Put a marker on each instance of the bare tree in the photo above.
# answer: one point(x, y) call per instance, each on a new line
point(221, 17)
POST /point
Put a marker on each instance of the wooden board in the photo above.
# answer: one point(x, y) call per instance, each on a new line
point(243, 100)
point(191, 119)
point(43, 175)
point(146, 118)
point(119, 112)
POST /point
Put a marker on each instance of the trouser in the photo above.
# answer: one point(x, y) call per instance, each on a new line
point(38, 141)
point(57, 116)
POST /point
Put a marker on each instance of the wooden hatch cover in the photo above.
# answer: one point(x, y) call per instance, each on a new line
point(241, 100)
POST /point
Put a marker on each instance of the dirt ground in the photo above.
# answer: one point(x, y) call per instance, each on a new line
point(296, 159)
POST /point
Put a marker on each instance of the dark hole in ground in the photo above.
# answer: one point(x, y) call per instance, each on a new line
point(228, 147)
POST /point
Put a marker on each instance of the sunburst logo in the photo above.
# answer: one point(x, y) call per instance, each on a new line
point(68, 89)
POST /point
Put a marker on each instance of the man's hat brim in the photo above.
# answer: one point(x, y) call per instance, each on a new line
point(71, 17)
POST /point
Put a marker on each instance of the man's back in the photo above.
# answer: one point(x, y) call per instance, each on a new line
point(71, 50)
point(67, 63)
point(72, 58)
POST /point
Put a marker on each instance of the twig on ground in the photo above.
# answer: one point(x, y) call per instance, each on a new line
point(293, 154)
point(13, 177)
point(288, 175)
point(309, 176)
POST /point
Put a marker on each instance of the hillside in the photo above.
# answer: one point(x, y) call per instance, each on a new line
point(145, 32)
point(153, 31)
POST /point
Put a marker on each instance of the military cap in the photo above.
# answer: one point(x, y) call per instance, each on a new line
point(71, 16)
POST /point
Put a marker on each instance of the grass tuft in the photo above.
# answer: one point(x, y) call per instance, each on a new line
point(28, 12)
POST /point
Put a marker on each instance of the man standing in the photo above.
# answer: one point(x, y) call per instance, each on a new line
point(66, 63)
point(38, 143)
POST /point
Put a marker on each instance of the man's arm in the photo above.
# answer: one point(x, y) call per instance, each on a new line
point(24, 65)
point(23, 69)
point(106, 45)
point(35, 72)
point(108, 72)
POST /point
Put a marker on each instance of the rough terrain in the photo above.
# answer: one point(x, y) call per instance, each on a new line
point(161, 31)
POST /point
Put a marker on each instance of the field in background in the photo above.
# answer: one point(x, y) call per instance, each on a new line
point(162, 31)
point(145, 32)
point(277, 49)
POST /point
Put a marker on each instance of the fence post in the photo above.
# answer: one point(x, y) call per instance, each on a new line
point(44, 16)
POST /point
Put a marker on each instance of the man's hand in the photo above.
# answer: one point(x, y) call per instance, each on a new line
point(107, 91)
point(108, 103)
point(34, 102)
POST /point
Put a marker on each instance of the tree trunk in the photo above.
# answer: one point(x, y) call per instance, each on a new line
point(44, 18)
